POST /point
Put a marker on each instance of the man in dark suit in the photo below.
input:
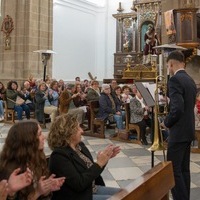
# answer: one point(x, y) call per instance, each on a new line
point(181, 123)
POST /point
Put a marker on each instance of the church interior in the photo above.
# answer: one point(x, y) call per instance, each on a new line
point(76, 42)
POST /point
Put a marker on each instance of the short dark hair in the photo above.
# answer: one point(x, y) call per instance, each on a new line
point(176, 55)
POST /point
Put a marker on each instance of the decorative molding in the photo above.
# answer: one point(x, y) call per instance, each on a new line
point(82, 6)
point(186, 16)
point(7, 25)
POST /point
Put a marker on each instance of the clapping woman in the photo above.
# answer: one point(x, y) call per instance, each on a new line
point(24, 148)
point(12, 93)
point(71, 158)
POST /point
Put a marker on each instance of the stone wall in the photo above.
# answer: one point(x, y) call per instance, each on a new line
point(33, 25)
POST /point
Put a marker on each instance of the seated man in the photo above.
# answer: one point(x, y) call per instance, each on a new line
point(108, 109)
point(139, 115)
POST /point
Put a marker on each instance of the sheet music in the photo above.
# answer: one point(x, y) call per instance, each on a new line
point(148, 98)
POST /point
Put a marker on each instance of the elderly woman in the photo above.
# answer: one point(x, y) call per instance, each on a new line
point(109, 109)
point(24, 148)
point(94, 92)
point(71, 158)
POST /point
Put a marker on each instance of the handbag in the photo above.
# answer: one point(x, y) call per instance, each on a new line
point(123, 134)
point(19, 101)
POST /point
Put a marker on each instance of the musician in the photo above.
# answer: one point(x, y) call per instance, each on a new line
point(151, 40)
point(139, 115)
point(181, 123)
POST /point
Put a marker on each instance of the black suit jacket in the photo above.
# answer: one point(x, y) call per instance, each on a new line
point(78, 184)
point(180, 120)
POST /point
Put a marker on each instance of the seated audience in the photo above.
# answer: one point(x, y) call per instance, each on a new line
point(61, 86)
point(71, 158)
point(108, 110)
point(118, 97)
point(197, 110)
point(93, 93)
point(113, 85)
point(49, 108)
point(133, 90)
point(31, 80)
point(43, 97)
point(40, 97)
point(53, 90)
point(24, 147)
point(66, 105)
point(80, 99)
point(126, 97)
point(28, 99)
point(85, 86)
point(138, 115)
point(12, 93)
point(2, 97)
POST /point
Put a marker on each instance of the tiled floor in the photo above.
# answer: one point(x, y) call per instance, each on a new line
point(132, 161)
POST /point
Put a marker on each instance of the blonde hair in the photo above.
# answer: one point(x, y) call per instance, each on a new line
point(61, 130)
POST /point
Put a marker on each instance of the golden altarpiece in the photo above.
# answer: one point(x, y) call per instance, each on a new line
point(130, 31)
point(131, 28)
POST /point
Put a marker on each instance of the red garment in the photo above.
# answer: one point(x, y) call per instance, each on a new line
point(148, 48)
point(198, 106)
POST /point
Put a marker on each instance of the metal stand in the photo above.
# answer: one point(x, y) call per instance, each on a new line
point(152, 159)
point(45, 58)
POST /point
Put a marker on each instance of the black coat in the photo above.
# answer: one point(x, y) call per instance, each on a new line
point(78, 184)
point(180, 120)
point(39, 105)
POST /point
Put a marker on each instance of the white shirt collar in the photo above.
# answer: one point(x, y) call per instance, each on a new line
point(178, 70)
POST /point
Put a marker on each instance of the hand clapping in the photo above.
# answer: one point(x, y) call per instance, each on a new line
point(109, 152)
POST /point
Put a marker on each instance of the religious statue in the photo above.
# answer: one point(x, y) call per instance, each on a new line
point(151, 40)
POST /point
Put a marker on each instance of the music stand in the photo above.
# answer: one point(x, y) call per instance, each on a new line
point(150, 102)
point(148, 99)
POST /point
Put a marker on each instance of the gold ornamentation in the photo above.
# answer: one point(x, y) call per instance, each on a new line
point(127, 23)
point(186, 16)
point(139, 72)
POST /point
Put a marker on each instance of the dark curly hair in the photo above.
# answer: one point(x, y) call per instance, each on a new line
point(9, 85)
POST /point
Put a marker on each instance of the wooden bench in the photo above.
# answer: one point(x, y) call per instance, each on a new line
point(97, 126)
point(155, 184)
point(130, 126)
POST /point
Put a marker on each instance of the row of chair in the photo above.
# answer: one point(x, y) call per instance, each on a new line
point(98, 125)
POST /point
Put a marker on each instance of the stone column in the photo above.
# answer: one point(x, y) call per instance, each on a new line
point(33, 26)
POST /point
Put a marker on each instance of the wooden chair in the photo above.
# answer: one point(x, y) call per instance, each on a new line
point(130, 126)
point(97, 126)
point(9, 113)
point(152, 185)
